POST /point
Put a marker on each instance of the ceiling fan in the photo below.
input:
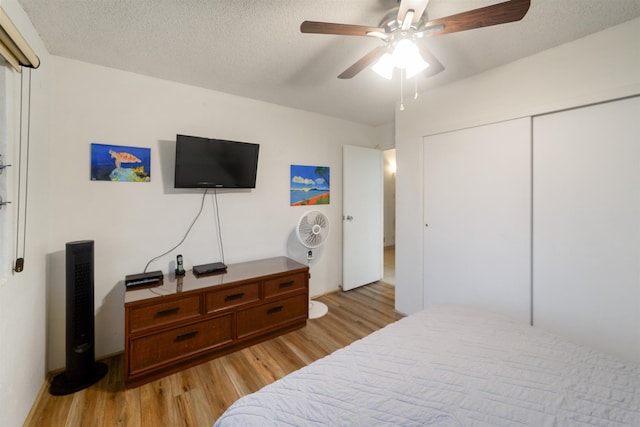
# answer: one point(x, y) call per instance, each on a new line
point(402, 28)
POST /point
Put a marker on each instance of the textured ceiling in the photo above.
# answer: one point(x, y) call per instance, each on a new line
point(254, 48)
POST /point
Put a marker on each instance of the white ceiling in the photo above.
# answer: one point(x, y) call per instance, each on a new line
point(254, 48)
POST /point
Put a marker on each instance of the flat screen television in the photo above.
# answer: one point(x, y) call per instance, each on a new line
point(215, 163)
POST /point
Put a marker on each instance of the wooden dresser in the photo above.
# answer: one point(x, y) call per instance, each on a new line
point(189, 319)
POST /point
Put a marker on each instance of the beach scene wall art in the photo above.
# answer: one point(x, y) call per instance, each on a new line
point(120, 163)
point(310, 185)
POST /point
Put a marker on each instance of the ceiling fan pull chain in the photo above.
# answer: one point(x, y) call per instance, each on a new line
point(415, 94)
point(401, 89)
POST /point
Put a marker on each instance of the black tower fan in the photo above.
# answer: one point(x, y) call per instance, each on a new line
point(81, 369)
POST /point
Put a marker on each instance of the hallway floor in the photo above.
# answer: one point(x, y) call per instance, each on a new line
point(389, 265)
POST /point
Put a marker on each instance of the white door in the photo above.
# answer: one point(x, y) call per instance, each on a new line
point(586, 237)
point(477, 207)
point(362, 225)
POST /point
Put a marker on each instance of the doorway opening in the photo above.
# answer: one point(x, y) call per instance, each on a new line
point(389, 201)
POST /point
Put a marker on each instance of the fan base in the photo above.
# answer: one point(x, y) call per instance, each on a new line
point(317, 309)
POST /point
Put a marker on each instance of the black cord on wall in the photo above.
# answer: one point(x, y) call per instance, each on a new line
point(19, 264)
point(217, 212)
point(185, 234)
point(220, 244)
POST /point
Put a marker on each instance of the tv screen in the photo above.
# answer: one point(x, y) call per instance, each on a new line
point(215, 163)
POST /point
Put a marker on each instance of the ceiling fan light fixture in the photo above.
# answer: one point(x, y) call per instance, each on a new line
point(406, 54)
point(416, 67)
point(384, 66)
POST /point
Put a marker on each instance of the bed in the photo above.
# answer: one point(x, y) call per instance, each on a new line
point(451, 366)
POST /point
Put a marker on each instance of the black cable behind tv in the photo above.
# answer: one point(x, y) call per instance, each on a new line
point(148, 278)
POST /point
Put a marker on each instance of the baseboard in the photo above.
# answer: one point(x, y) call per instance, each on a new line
point(43, 389)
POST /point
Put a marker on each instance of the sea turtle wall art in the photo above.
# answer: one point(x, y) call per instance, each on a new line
point(120, 163)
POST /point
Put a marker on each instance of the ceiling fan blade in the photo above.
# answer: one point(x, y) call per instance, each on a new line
point(434, 65)
point(363, 63)
point(501, 13)
point(418, 6)
point(337, 29)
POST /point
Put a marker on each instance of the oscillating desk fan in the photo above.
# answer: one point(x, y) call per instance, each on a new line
point(312, 232)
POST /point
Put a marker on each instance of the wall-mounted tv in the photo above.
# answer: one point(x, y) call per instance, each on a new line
point(215, 163)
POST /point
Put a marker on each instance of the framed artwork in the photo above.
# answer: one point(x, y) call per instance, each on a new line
point(120, 163)
point(310, 185)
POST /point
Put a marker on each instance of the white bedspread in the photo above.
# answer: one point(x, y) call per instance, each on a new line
point(451, 366)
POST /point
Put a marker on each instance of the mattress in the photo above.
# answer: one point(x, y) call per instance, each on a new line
point(451, 366)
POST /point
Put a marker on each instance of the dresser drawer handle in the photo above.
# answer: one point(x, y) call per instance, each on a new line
point(275, 309)
point(285, 284)
point(168, 311)
point(186, 336)
point(234, 296)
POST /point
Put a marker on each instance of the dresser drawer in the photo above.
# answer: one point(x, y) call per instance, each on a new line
point(232, 297)
point(156, 349)
point(163, 313)
point(284, 284)
point(272, 315)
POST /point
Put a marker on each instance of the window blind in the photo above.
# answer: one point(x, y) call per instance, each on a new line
point(13, 47)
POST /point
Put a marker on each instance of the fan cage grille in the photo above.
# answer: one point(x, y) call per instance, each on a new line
point(313, 229)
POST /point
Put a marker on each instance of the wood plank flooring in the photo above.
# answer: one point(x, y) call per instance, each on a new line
point(199, 395)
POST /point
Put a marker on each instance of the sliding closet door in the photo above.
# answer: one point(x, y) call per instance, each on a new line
point(477, 207)
point(586, 235)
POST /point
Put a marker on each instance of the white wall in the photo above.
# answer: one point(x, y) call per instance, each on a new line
point(22, 295)
point(134, 222)
point(385, 136)
point(603, 66)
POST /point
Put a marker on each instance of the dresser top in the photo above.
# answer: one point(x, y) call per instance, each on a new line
point(235, 273)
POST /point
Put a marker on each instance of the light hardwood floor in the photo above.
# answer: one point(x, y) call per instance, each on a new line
point(198, 396)
point(389, 265)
